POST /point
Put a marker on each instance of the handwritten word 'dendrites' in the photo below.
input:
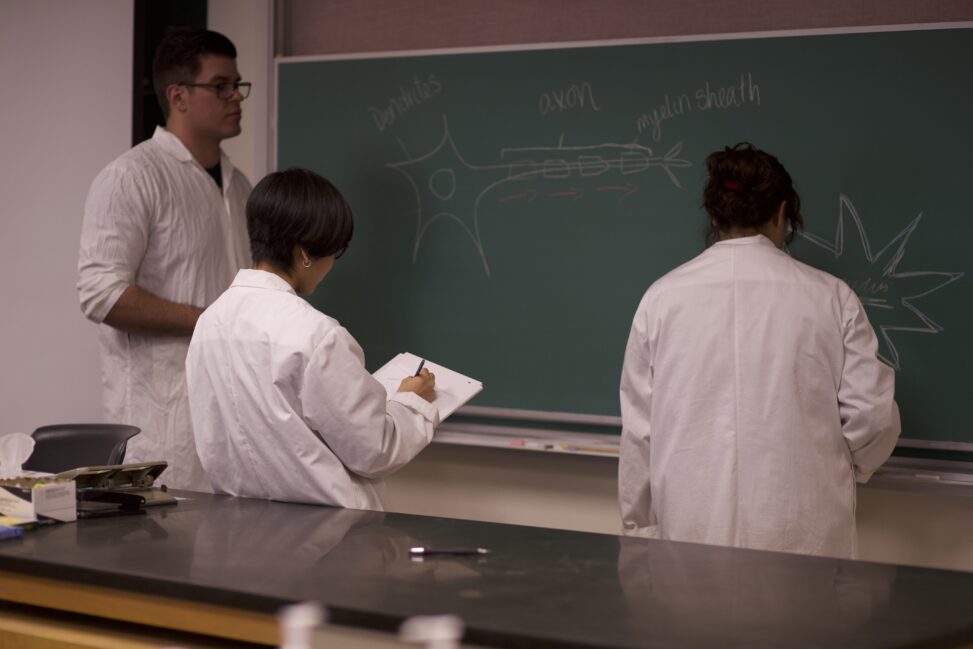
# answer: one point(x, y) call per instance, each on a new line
point(574, 96)
point(410, 96)
point(706, 98)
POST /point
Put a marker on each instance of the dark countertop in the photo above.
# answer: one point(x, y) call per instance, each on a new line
point(539, 587)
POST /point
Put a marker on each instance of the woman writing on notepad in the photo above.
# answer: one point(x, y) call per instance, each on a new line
point(282, 406)
point(752, 397)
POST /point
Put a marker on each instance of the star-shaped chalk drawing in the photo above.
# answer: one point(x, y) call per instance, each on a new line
point(892, 293)
point(446, 186)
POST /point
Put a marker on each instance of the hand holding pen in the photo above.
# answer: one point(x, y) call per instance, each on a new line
point(423, 383)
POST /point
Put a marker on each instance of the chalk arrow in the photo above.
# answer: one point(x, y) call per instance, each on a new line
point(627, 188)
point(529, 194)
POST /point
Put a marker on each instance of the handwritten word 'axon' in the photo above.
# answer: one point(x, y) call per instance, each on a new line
point(409, 96)
point(706, 97)
point(574, 96)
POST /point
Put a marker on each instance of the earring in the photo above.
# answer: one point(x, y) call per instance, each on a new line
point(306, 263)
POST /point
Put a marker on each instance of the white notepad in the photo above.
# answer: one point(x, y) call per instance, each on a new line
point(452, 388)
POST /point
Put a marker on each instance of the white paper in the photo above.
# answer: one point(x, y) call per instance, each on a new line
point(452, 388)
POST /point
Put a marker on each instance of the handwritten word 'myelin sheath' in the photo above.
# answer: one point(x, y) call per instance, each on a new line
point(706, 98)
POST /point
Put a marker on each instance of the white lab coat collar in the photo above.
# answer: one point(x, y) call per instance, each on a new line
point(172, 145)
point(253, 278)
point(757, 239)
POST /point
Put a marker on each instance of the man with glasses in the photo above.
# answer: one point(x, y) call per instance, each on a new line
point(164, 234)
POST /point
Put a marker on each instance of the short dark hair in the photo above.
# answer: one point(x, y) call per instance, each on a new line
point(296, 207)
point(177, 58)
point(745, 188)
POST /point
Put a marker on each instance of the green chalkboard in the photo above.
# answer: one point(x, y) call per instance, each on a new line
point(511, 207)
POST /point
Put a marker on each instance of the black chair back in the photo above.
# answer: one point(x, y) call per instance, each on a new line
point(62, 447)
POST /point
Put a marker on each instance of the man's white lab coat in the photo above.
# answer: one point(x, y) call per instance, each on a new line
point(155, 219)
point(752, 400)
point(283, 407)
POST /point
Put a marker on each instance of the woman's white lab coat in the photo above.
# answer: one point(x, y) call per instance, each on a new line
point(283, 407)
point(752, 400)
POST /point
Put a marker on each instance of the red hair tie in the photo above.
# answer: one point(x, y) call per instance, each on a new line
point(733, 186)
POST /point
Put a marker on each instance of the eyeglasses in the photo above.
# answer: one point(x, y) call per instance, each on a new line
point(225, 90)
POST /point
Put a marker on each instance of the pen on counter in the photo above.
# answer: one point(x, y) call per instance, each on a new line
point(420, 367)
point(425, 551)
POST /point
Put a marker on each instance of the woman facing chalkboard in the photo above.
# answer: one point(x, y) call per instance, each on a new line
point(281, 403)
point(752, 397)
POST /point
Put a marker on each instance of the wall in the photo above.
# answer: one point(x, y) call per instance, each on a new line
point(248, 23)
point(66, 112)
point(315, 27)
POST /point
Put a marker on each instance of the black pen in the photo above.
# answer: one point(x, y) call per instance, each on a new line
point(425, 551)
point(420, 367)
